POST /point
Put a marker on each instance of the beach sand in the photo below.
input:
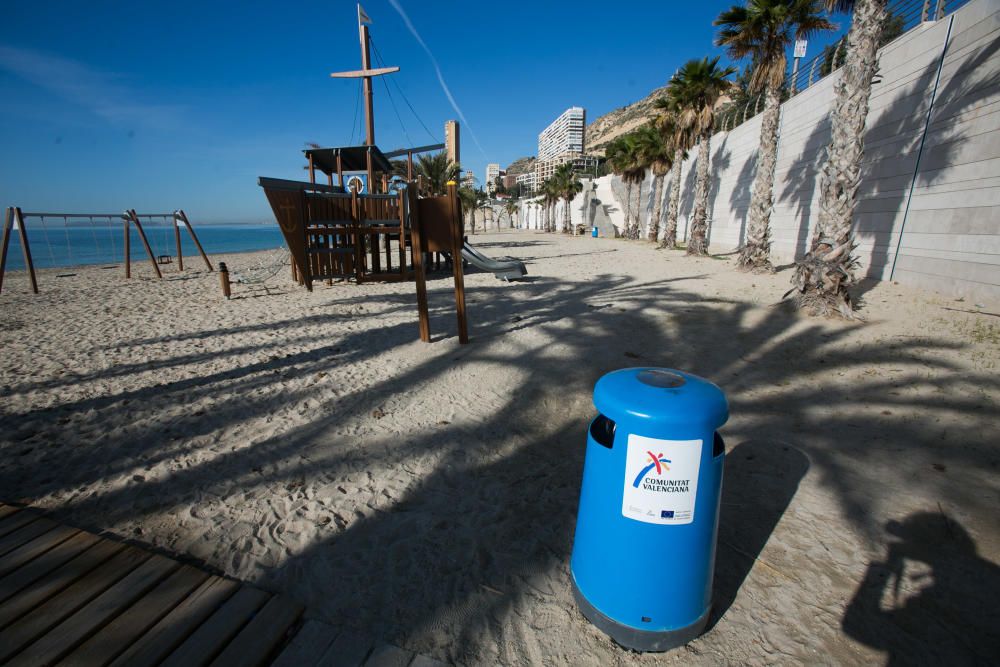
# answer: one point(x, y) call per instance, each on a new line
point(427, 493)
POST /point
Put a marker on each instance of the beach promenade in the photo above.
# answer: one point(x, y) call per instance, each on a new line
point(311, 447)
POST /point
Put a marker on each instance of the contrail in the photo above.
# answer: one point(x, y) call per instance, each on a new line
point(437, 68)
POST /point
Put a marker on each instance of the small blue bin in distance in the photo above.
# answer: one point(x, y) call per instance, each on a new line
point(644, 549)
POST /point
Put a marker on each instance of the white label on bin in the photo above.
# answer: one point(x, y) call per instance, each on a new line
point(661, 480)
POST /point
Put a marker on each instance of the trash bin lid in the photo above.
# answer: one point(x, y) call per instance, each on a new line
point(661, 396)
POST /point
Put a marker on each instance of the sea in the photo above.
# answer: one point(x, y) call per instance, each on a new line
point(56, 245)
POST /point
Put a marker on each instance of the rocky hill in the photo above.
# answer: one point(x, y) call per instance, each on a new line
point(620, 121)
point(522, 165)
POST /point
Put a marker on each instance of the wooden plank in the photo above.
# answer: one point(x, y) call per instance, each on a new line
point(7, 510)
point(64, 637)
point(17, 521)
point(348, 650)
point(174, 628)
point(118, 635)
point(28, 627)
point(54, 581)
point(19, 538)
point(261, 636)
point(308, 645)
point(207, 641)
point(27, 575)
point(36, 547)
point(387, 655)
point(424, 661)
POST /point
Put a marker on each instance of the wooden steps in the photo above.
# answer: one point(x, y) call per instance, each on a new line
point(70, 597)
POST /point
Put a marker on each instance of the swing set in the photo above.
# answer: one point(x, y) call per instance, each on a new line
point(15, 220)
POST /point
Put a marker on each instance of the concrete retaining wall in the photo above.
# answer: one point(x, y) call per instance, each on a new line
point(929, 206)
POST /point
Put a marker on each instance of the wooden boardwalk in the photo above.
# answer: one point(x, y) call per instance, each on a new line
point(69, 597)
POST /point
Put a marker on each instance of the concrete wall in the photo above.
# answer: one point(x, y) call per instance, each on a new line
point(929, 205)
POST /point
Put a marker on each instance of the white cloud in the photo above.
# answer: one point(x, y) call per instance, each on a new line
point(101, 93)
point(437, 68)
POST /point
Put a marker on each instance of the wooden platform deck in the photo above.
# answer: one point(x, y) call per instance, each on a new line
point(70, 597)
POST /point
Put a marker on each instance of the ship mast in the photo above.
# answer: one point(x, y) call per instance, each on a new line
point(366, 73)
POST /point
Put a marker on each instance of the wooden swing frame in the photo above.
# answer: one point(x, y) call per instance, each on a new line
point(15, 218)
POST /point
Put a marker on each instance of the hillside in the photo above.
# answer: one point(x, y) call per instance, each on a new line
point(620, 121)
point(521, 165)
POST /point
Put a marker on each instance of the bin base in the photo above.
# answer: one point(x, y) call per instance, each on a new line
point(635, 638)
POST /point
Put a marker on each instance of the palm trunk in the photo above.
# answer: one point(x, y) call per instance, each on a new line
point(756, 252)
point(568, 217)
point(654, 224)
point(628, 209)
point(823, 276)
point(637, 218)
point(697, 242)
point(673, 208)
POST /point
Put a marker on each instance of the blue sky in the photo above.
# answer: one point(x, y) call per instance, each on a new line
point(157, 106)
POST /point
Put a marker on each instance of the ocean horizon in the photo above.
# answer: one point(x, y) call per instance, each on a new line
point(58, 246)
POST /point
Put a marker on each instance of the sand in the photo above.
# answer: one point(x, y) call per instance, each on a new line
point(311, 444)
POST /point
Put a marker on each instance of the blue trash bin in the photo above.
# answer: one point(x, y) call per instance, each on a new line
point(593, 232)
point(644, 550)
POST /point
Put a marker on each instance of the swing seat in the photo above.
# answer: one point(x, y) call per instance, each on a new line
point(164, 259)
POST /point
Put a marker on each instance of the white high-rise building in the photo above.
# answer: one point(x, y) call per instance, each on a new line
point(564, 135)
point(492, 174)
point(528, 182)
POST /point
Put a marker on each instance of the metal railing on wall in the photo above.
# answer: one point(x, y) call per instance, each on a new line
point(904, 15)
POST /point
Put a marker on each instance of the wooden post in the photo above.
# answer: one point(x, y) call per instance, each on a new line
point(8, 222)
point(177, 242)
point(194, 237)
point(128, 246)
point(312, 170)
point(15, 218)
point(329, 178)
point(455, 223)
point(402, 232)
point(358, 245)
point(22, 231)
point(409, 166)
point(371, 184)
point(369, 112)
point(224, 280)
point(340, 170)
point(417, 245)
point(145, 242)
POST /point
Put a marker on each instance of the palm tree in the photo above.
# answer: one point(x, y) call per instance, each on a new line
point(469, 200)
point(699, 89)
point(625, 161)
point(437, 170)
point(550, 194)
point(823, 276)
point(657, 151)
point(667, 124)
point(569, 186)
point(763, 30)
point(510, 208)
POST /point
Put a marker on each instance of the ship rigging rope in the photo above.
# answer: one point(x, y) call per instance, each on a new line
point(378, 57)
point(388, 93)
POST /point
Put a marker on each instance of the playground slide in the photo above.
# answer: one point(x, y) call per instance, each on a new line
point(504, 269)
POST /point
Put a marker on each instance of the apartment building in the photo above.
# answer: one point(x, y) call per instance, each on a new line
point(564, 135)
point(493, 172)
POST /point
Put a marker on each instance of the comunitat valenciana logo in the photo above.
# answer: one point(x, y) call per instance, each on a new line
point(658, 462)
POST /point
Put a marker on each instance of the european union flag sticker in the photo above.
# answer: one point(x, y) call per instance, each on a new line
point(666, 514)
